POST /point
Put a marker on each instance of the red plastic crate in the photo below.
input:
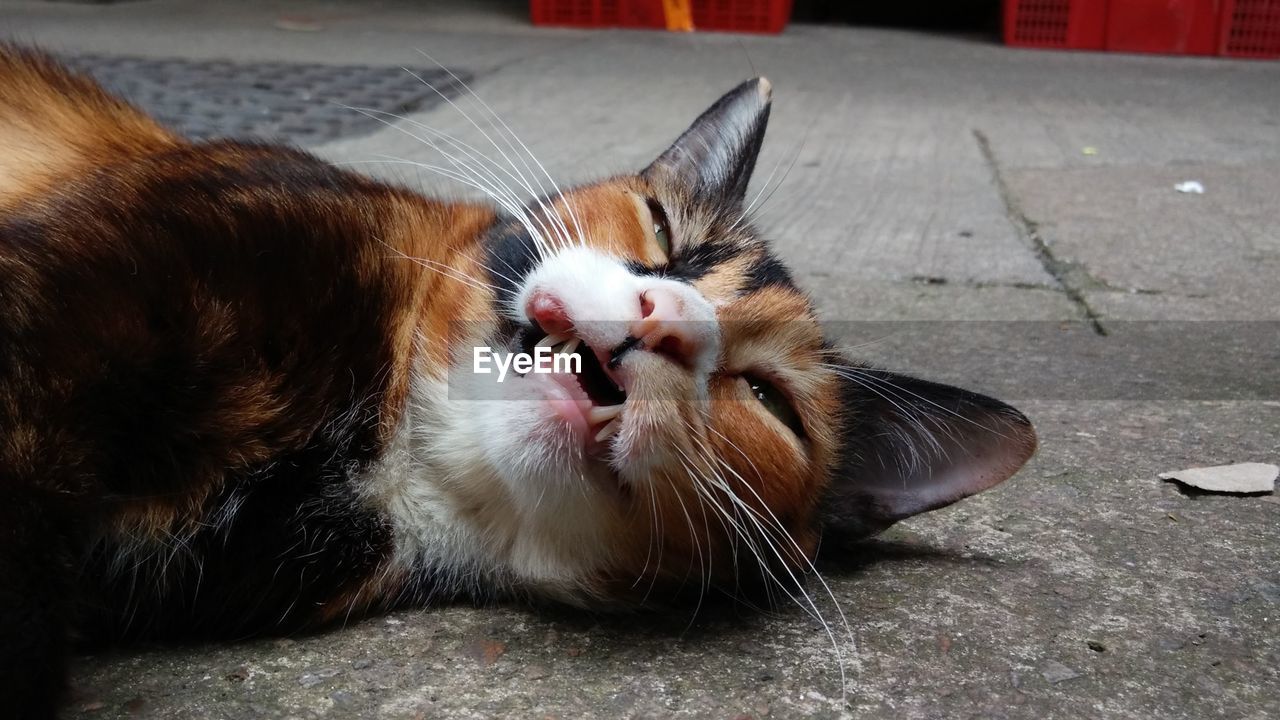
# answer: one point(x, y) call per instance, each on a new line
point(597, 13)
point(760, 16)
point(1176, 27)
point(1250, 29)
point(1060, 24)
point(1237, 28)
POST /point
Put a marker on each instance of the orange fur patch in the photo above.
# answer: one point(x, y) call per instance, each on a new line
point(56, 125)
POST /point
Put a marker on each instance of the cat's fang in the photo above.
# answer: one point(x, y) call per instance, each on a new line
point(571, 346)
point(552, 340)
point(609, 430)
point(604, 414)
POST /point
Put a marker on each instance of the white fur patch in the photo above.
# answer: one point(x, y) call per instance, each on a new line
point(602, 297)
point(471, 510)
point(497, 494)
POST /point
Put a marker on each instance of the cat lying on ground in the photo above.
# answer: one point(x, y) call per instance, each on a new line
point(239, 389)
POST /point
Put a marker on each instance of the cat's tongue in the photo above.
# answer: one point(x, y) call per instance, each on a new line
point(570, 402)
point(594, 424)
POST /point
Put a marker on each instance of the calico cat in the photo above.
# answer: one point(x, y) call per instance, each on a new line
point(237, 389)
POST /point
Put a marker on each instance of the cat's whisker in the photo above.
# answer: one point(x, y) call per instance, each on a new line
point(442, 268)
point(764, 534)
point(698, 478)
point(480, 164)
point(541, 494)
point(808, 605)
point(841, 351)
point(477, 158)
point(697, 546)
point(449, 272)
point(445, 172)
point(795, 158)
point(759, 193)
point(492, 185)
point(800, 553)
point(723, 486)
point(517, 176)
point(481, 160)
point(478, 177)
point(898, 388)
point(495, 116)
point(468, 118)
point(708, 570)
point(915, 460)
point(747, 214)
point(657, 533)
point(506, 201)
point(731, 529)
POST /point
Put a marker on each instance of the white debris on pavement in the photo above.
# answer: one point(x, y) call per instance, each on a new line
point(1190, 186)
point(1239, 478)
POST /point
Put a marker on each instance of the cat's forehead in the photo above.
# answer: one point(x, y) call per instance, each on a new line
point(714, 249)
point(610, 216)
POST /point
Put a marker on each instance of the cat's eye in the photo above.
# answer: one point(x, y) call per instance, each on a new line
point(661, 226)
point(776, 402)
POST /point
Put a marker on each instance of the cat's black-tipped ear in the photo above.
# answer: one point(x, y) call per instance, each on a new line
point(716, 155)
point(909, 446)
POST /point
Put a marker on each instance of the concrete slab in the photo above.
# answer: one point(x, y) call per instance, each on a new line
point(1133, 110)
point(1134, 234)
point(931, 299)
point(873, 187)
point(477, 35)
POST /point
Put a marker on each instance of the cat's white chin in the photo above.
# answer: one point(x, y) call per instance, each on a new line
point(554, 416)
point(498, 490)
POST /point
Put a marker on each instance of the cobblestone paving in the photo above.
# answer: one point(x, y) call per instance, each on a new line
point(301, 103)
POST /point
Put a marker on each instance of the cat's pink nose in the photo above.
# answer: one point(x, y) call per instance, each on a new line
point(662, 327)
point(549, 313)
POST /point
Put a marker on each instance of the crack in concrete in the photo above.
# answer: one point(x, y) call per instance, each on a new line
point(1071, 277)
point(977, 284)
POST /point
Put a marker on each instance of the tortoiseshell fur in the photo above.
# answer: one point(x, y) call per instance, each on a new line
point(223, 374)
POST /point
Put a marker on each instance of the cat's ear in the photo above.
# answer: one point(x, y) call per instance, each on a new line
point(909, 446)
point(716, 155)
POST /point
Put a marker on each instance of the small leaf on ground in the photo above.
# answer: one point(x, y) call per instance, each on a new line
point(1238, 478)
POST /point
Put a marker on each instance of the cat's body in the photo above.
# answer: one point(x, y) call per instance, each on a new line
point(235, 394)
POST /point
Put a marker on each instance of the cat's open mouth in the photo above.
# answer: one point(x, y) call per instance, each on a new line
point(587, 378)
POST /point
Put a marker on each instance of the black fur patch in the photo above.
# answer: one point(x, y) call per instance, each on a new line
point(210, 356)
point(281, 539)
point(766, 272)
point(692, 262)
point(510, 255)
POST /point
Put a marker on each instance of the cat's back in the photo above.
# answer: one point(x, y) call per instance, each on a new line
point(170, 309)
point(55, 124)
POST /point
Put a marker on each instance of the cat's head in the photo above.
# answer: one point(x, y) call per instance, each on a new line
point(713, 437)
